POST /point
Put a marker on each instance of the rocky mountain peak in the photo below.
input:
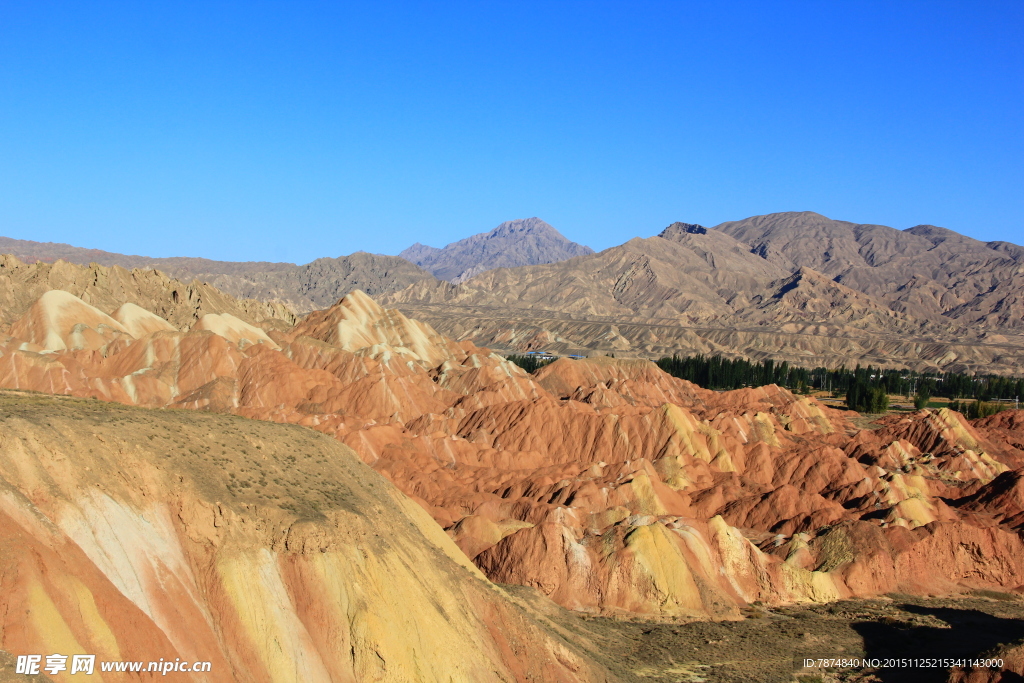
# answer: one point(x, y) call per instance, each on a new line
point(523, 226)
point(677, 228)
point(520, 242)
point(937, 235)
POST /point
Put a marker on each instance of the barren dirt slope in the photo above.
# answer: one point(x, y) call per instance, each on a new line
point(926, 271)
point(180, 303)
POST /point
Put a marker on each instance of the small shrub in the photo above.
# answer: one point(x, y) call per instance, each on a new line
point(921, 399)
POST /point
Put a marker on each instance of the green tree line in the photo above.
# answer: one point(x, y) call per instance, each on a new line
point(865, 388)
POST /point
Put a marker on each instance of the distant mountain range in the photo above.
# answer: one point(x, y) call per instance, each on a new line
point(751, 268)
point(523, 242)
point(323, 282)
point(796, 286)
point(305, 288)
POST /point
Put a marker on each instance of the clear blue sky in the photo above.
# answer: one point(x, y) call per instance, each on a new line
point(293, 130)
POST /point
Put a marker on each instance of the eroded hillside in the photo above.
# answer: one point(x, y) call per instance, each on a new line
point(180, 303)
point(267, 550)
point(299, 289)
point(606, 484)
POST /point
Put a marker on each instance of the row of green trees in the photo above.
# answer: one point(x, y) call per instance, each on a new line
point(715, 372)
point(866, 389)
point(972, 410)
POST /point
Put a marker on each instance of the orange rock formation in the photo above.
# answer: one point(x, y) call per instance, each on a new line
point(608, 485)
point(136, 535)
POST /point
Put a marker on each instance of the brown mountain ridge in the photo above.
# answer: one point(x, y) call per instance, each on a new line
point(301, 288)
point(793, 286)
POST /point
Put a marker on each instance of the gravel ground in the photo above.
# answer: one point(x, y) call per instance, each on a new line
point(766, 644)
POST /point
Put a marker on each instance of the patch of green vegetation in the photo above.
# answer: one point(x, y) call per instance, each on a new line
point(529, 363)
point(996, 595)
point(973, 410)
point(864, 398)
point(716, 372)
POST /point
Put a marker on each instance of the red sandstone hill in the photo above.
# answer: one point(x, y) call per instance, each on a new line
point(606, 484)
point(267, 550)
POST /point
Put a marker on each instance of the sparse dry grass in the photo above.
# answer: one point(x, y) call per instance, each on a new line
point(230, 459)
